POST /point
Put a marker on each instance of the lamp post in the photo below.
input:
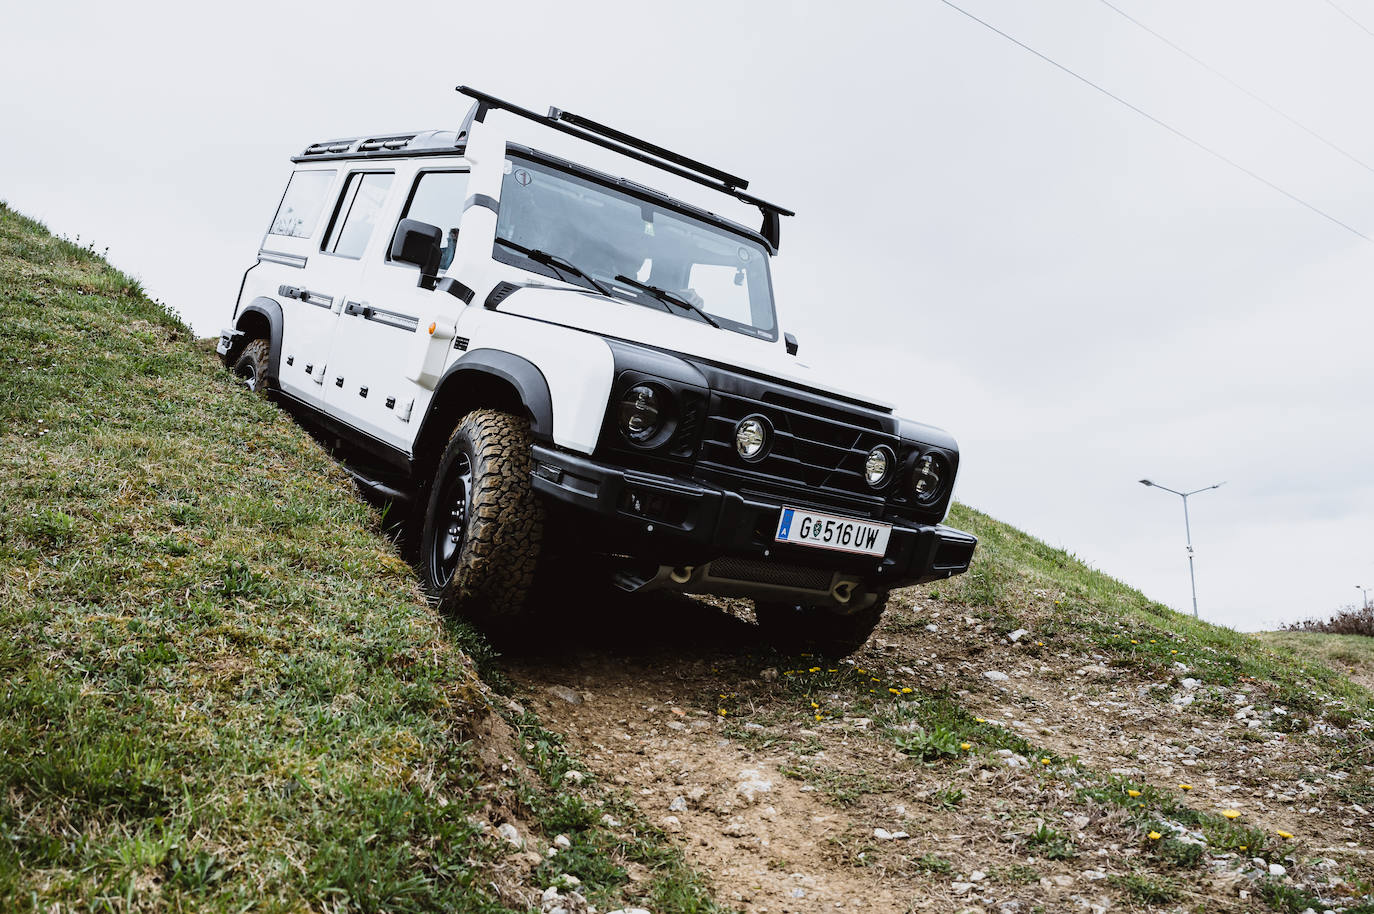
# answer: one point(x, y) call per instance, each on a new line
point(1187, 529)
point(1364, 590)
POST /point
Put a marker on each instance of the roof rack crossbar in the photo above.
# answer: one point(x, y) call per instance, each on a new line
point(577, 120)
point(640, 150)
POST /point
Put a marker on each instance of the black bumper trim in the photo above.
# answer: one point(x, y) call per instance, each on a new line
point(672, 520)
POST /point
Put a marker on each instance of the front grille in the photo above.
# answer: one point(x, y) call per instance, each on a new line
point(822, 449)
point(757, 572)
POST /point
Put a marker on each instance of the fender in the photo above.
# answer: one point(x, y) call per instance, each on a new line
point(520, 373)
point(271, 311)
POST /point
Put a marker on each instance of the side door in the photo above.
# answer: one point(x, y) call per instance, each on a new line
point(288, 258)
point(384, 328)
point(336, 275)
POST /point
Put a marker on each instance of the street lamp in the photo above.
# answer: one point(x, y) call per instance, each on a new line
point(1364, 590)
point(1186, 528)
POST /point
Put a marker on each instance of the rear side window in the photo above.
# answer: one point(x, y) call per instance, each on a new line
point(356, 215)
point(301, 204)
point(438, 199)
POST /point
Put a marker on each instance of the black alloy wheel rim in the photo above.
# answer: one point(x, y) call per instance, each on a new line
point(249, 372)
point(451, 521)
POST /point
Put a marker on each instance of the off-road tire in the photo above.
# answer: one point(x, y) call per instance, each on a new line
point(793, 627)
point(251, 365)
point(483, 522)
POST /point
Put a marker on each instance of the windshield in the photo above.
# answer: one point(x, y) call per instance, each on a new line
point(608, 233)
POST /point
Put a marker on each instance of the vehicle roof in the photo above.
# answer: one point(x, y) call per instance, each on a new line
point(452, 143)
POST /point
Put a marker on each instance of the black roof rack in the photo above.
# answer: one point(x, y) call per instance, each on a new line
point(640, 150)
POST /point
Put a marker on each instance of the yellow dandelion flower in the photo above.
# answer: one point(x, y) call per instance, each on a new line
point(818, 717)
point(832, 671)
point(906, 691)
point(1039, 644)
point(1141, 805)
point(979, 720)
point(1133, 793)
point(1173, 652)
point(861, 671)
point(1185, 786)
point(1133, 641)
point(1153, 641)
point(1244, 847)
point(1044, 761)
point(1283, 834)
point(893, 691)
point(814, 669)
point(722, 712)
point(966, 746)
point(1155, 836)
point(1231, 813)
point(814, 705)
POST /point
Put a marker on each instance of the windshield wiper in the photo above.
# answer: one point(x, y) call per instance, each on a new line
point(664, 295)
point(555, 261)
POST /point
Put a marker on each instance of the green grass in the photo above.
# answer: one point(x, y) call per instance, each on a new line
point(220, 688)
point(1017, 579)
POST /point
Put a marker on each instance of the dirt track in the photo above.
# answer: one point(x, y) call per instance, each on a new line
point(788, 800)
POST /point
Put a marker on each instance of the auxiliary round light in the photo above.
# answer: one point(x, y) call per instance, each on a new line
point(878, 465)
point(640, 413)
point(751, 437)
point(928, 478)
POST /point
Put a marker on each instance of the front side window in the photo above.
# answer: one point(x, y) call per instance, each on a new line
point(356, 214)
point(438, 199)
point(301, 204)
point(549, 215)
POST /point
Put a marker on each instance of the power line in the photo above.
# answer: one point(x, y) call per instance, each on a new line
point(1235, 85)
point(1357, 22)
point(1150, 117)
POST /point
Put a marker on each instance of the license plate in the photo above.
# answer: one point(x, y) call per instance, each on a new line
point(830, 531)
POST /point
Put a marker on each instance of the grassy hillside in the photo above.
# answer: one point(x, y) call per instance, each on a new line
point(220, 690)
point(219, 687)
point(1351, 655)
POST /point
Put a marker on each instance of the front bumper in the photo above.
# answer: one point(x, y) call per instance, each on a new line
point(679, 525)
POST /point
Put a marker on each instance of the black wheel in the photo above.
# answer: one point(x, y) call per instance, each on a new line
point(251, 364)
point(483, 523)
point(829, 630)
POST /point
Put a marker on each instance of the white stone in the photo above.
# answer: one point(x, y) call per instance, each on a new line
point(882, 834)
point(961, 888)
point(563, 693)
point(1277, 869)
point(1191, 684)
point(995, 676)
point(1017, 635)
point(679, 804)
point(509, 833)
point(751, 784)
point(562, 841)
point(977, 876)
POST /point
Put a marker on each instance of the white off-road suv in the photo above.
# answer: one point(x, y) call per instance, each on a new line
point(556, 364)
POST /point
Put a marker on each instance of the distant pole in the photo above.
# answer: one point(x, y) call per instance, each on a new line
point(1365, 591)
point(1187, 529)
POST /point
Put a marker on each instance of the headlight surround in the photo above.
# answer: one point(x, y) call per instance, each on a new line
point(879, 466)
point(929, 475)
point(642, 413)
point(753, 435)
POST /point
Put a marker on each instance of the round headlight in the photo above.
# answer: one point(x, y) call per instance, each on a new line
point(640, 413)
point(751, 437)
point(878, 465)
point(928, 477)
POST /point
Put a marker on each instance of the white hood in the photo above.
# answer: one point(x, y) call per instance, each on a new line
point(635, 323)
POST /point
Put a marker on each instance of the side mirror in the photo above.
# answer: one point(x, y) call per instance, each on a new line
point(791, 342)
point(417, 243)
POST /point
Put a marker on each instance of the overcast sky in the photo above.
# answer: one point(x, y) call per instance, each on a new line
point(1080, 296)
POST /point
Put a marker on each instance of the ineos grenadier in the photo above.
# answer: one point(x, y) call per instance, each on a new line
point(554, 363)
